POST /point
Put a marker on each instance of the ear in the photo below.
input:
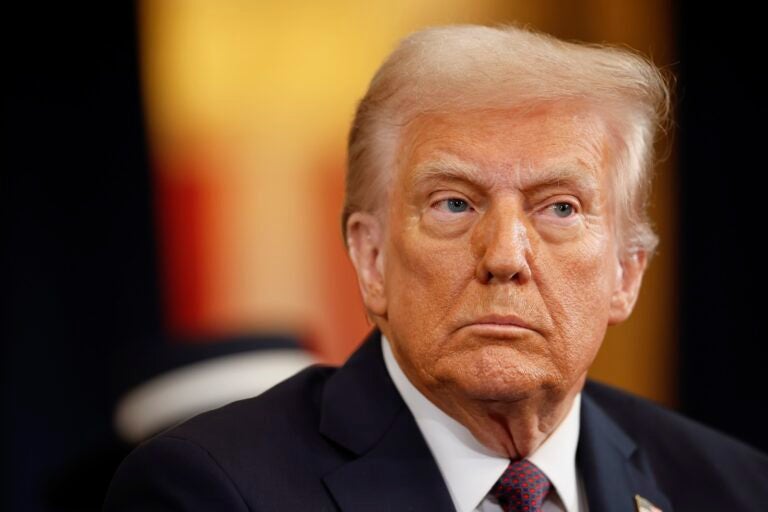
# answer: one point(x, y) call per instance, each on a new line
point(365, 239)
point(630, 270)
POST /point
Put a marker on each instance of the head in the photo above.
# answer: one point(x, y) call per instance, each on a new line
point(495, 205)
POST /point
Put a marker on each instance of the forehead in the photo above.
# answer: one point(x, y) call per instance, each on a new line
point(512, 147)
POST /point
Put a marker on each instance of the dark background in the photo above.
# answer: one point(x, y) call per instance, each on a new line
point(79, 275)
point(79, 271)
point(723, 352)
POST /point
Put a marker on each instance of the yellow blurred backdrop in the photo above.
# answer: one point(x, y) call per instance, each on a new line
point(248, 105)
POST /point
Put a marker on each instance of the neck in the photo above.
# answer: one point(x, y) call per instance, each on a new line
point(511, 429)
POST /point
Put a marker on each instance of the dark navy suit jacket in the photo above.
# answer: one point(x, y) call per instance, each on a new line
point(332, 439)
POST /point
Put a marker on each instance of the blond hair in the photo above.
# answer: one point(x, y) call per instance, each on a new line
point(465, 67)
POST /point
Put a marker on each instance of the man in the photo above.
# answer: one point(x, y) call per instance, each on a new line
point(495, 215)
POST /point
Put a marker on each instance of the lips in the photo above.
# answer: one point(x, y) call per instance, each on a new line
point(502, 320)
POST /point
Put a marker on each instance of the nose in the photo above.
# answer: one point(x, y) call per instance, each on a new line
point(503, 247)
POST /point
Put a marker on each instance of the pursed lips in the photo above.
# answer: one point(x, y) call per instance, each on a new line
point(500, 322)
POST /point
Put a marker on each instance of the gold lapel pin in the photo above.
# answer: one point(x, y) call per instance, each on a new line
point(643, 505)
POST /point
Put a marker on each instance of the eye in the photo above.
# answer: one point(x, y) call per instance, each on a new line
point(453, 205)
point(562, 209)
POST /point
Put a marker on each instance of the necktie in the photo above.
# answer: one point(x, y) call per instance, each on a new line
point(521, 488)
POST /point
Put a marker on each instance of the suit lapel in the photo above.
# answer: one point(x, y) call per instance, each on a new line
point(391, 468)
point(613, 469)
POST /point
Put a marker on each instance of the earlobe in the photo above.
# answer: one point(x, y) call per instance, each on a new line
point(630, 270)
point(365, 246)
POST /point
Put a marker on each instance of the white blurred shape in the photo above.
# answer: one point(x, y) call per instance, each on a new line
point(179, 394)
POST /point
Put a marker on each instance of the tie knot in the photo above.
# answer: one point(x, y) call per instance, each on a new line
point(521, 488)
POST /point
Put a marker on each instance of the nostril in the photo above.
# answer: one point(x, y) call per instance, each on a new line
point(500, 276)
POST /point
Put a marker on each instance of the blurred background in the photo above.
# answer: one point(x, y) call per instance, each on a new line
point(171, 191)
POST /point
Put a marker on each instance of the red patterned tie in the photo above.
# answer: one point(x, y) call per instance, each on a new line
point(521, 488)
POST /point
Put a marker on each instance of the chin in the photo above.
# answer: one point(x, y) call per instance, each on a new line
point(501, 390)
point(499, 375)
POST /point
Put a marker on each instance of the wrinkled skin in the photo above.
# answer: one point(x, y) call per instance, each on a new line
point(498, 213)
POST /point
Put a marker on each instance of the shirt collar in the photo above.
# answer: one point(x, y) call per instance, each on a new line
point(468, 468)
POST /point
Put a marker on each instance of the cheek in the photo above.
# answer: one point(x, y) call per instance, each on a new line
point(424, 282)
point(576, 287)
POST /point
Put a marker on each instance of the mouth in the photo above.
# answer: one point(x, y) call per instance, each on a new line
point(499, 325)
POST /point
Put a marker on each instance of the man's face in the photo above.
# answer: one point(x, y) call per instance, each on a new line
point(499, 218)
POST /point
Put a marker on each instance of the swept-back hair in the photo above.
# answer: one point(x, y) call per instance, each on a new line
point(465, 67)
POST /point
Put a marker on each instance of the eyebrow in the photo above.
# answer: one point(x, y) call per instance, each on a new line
point(447, 168)
point(577, 174)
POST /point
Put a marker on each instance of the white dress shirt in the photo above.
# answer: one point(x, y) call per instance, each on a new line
point(470, 470)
